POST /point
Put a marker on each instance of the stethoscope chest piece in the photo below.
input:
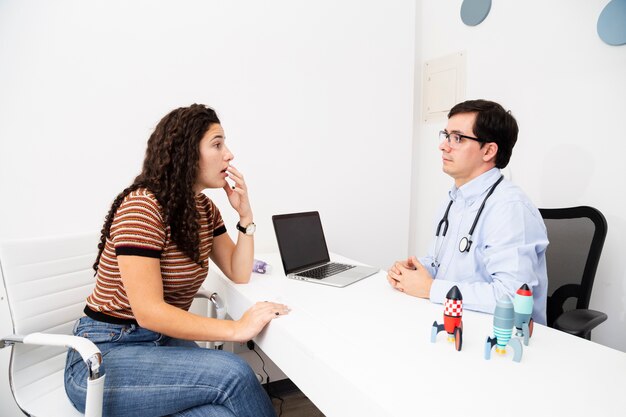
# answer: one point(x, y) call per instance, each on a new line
point(465, 244)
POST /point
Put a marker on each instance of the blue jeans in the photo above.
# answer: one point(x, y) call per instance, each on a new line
point(149, 374)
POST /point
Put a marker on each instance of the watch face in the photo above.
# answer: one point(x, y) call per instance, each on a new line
point(250, 229)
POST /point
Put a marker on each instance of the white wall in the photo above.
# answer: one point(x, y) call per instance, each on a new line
point(545, 62)
point(315, 98)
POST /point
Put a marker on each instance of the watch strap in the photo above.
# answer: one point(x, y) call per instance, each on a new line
point(248, 230)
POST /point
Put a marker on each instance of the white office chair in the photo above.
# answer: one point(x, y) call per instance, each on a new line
point(46, 282)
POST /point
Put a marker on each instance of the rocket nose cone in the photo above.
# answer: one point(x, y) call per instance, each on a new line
point(503, 314)
point(524, 291)
point(454, 294)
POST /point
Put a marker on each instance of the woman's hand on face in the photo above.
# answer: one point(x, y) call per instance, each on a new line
point(238, 195)
point(256, 318)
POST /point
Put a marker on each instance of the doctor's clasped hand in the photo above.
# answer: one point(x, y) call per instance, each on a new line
point(410, 277)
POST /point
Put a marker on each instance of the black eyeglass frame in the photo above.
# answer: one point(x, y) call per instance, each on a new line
point(447, 136)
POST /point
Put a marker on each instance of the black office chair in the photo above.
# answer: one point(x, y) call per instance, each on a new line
point(576, 236)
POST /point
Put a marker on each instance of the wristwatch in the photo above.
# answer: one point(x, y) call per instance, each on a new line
point(248, 230)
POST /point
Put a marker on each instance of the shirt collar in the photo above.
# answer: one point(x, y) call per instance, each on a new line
point(474, 188)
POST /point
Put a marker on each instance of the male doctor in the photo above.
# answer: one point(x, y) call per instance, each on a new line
point(489, 238)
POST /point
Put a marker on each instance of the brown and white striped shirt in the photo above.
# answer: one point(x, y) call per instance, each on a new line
point(138, 229)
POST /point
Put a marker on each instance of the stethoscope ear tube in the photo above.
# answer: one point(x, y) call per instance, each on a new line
point(444, 221)
point(466, 242)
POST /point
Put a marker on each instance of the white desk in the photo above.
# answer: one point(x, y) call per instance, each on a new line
point(364, 350)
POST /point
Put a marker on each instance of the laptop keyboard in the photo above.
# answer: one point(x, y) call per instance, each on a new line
point(325, 271)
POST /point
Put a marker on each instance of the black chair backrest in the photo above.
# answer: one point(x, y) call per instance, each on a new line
point(576, 236)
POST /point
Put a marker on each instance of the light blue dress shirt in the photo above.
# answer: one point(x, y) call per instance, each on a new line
point(508, 249)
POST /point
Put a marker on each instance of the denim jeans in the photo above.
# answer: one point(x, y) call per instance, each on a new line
point(149, 374)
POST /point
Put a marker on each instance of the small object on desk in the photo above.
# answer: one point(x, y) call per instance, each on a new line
point(260, 267)
point(452, 319)
point(503, 318)
point(523, 308)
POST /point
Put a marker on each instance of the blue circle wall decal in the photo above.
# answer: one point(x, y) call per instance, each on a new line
point(612, 23)
point(473, 12)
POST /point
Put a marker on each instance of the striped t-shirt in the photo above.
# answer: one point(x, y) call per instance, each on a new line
point(138, 229)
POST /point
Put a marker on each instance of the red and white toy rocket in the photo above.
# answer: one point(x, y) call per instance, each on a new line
point(452, 319)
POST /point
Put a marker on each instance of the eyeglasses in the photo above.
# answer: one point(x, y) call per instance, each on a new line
point(455, 139)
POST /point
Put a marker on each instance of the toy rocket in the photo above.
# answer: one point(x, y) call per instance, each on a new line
point(503, 318)
point(523, 307)
point(452, 319)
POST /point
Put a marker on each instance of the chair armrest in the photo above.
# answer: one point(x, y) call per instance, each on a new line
point(220, 311)
point(88, 351)
point(579, 322)
point(214, 298)
point(86, 348)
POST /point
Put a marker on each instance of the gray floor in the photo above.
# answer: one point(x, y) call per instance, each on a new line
point(294, 402)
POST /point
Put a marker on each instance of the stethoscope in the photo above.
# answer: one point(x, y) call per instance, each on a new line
point(466, 242)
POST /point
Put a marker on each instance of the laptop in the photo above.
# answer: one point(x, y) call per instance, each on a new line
point(304, 252)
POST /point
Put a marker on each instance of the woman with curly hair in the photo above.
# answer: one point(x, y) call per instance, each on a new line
point(153, 256)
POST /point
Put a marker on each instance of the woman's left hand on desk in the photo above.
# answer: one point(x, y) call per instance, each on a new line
point(256, 318)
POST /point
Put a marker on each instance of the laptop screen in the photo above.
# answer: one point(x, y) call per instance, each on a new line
point(300, 240)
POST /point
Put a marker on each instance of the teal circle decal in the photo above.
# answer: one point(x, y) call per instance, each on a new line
point(473, 12)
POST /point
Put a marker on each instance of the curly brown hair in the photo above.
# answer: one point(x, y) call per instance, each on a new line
point(169, 171)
